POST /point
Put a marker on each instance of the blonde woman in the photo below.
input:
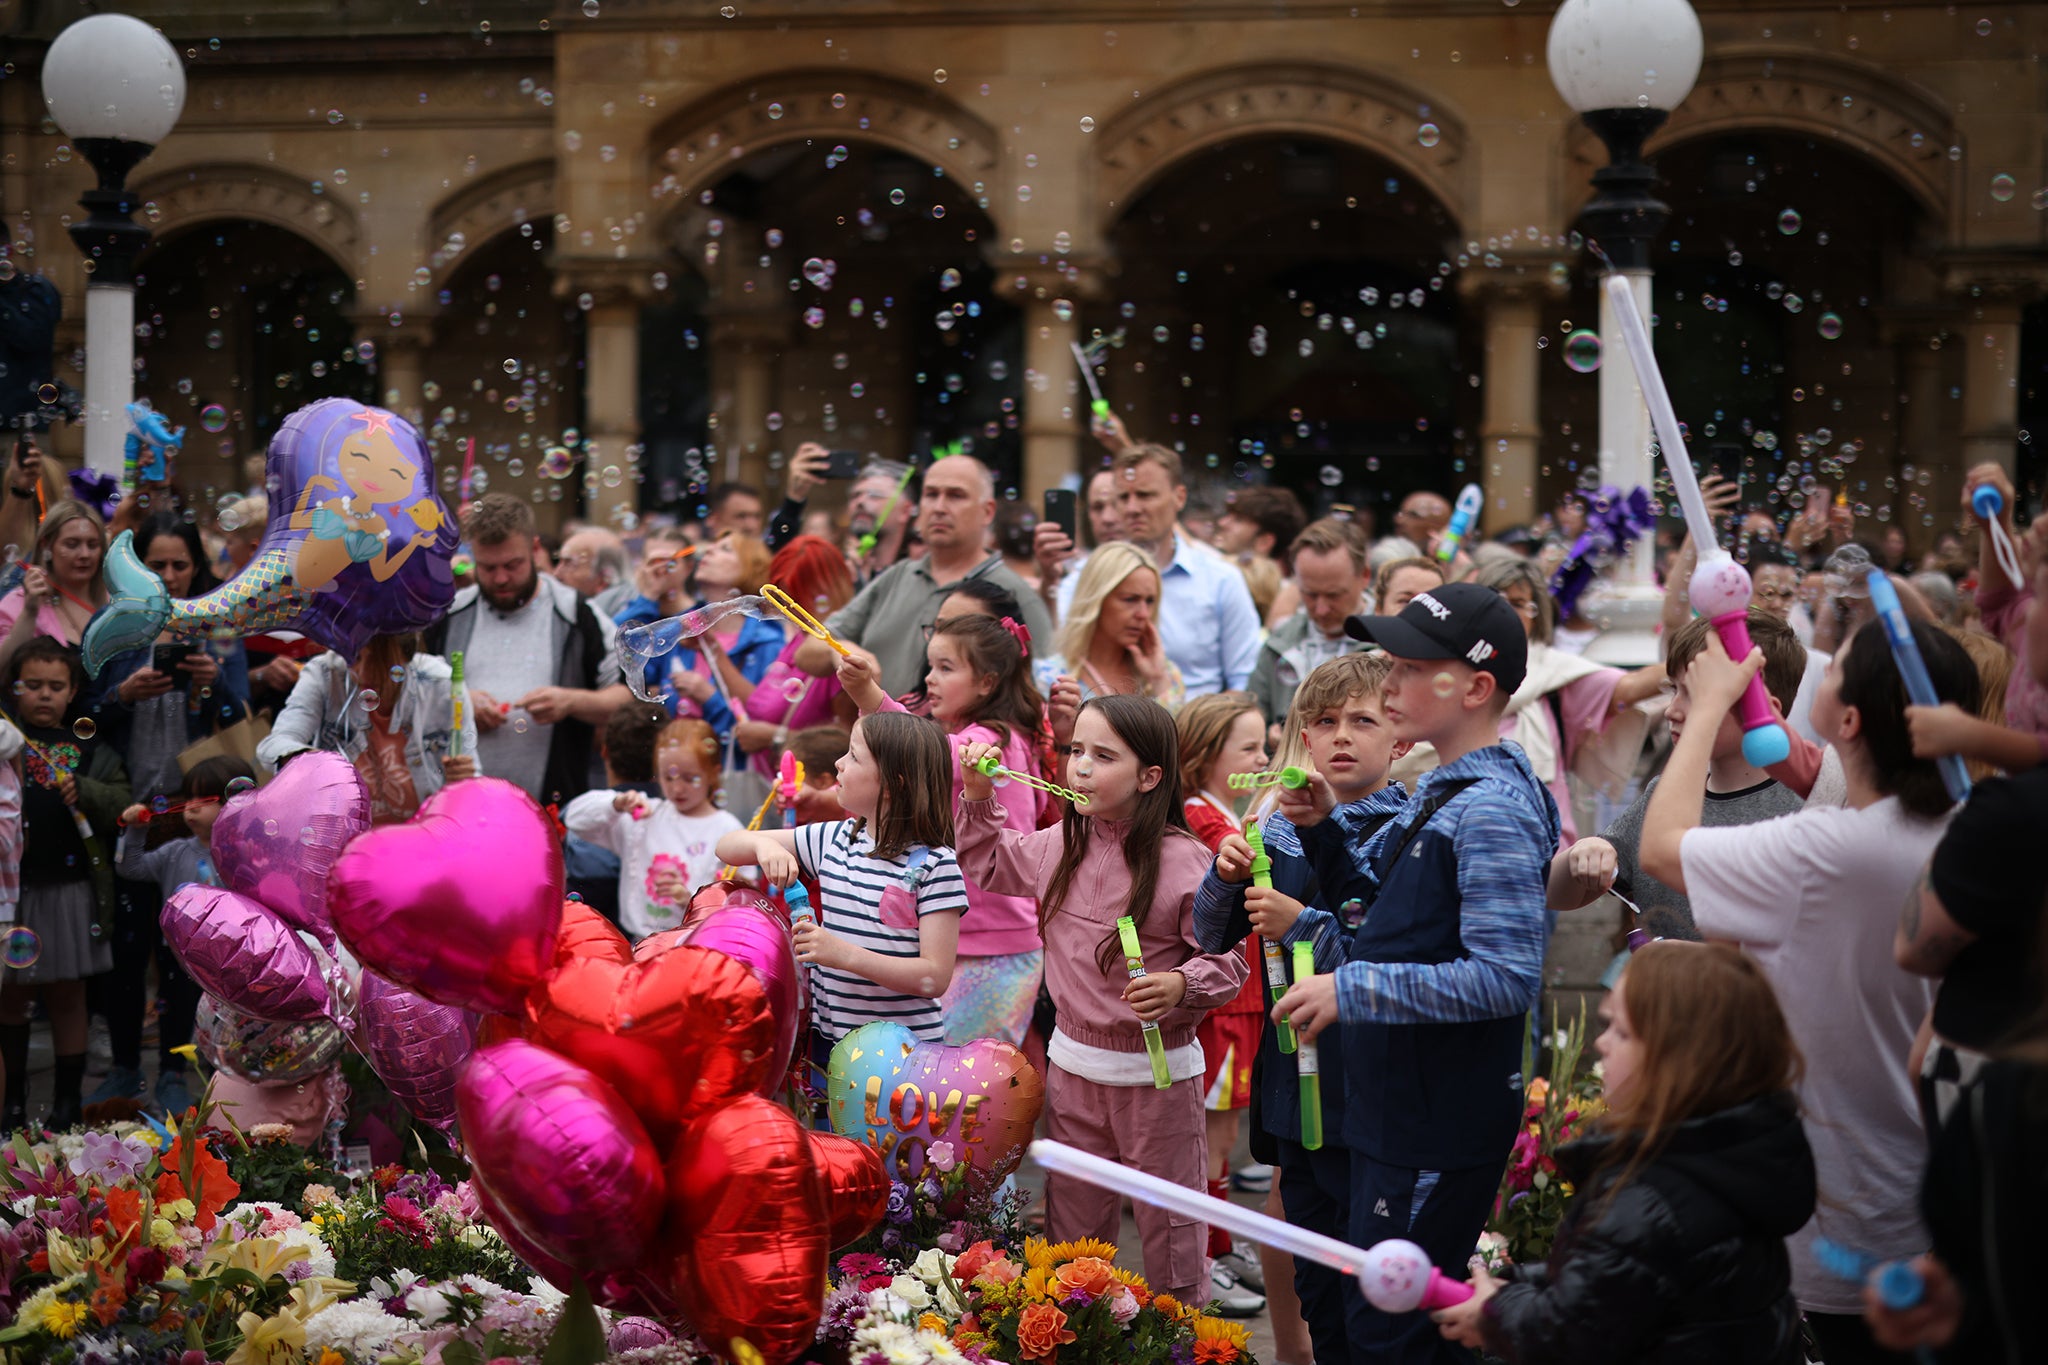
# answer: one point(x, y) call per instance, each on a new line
point(1109, 644)
point(61, 588)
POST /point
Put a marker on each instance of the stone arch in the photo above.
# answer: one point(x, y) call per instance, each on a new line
point(497, 203)
point(1341, 104)
point(176, 200)
point(1888, 121)
point(696, 147)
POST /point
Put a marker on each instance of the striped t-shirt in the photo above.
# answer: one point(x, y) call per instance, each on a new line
point(855, 890)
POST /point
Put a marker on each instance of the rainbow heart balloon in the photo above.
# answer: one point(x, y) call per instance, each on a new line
point(983, 1099)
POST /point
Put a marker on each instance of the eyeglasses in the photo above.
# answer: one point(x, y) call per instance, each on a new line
point(1528, 611)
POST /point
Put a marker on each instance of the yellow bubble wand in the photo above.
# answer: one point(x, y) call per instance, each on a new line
point(990, 768)
point(798, 617)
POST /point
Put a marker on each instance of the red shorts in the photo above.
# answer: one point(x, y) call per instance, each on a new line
point(1228, 1043)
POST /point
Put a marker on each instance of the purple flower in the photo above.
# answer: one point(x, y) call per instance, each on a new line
point(899, 1203)
point(421, 1187)
point(632, 1334)
point(106, 1158)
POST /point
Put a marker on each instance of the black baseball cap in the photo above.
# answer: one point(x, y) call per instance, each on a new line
point(1456, 621)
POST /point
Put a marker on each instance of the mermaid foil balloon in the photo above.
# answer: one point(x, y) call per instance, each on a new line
point(358, 545)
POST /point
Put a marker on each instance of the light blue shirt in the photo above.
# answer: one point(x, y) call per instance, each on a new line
point(1207, 621)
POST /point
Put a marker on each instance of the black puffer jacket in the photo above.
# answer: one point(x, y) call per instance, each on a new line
point(1685, 1266)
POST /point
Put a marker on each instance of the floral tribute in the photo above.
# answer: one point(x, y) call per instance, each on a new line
point(1561, 1102)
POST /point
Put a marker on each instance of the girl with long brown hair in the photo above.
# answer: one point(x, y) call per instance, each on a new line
point(1673, 1247)
point(1124, 850)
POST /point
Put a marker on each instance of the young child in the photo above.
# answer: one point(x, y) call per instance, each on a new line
point(978, 687)
point(1342, 727)
point(628, 747)
point(1672, 1248)
point(1222, 735)
point(1448, 959)
point(1814, 899)
point(667, 848)
point(888, 884)
point(185, 856)
point(1125, 851)
point(819, 748)
point(71, 802)
point(1737, 794)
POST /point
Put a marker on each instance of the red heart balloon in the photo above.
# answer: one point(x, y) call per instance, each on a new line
point(585, 933)
point(678, 1033)
point(856, 1186)
point(749, 931)
point(462, 903)
point(747, 1231)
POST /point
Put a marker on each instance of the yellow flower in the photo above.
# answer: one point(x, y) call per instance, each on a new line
point(1088, 1246)
point(163, 1234)
point(1539, 1090)
point(61, 1319)
point(1218, 1342)
point(931, 1322)
point(1566, 1187)
point(1037, 1253)
point(329, 1356)
point(1170, 1308)
point(1037, 1283)
point(269, 1339)
point(190, 1052)
point(64, 1258)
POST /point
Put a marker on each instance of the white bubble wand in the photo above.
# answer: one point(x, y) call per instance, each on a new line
point(1720, 588)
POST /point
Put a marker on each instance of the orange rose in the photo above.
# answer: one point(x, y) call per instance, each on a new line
point(1041, 1330)
point(972, 1260)
point(1089, 1275)
point(1001, 1270)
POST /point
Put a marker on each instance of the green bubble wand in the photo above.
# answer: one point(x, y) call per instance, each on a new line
point(1276, 962)
point(988, 766)
point(1294, 779)
point(868, 541)
point(1134, 958)
point(1307, 1065)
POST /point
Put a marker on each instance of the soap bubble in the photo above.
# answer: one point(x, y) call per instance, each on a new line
point(84, 728)
point(1429, 135)
point(1087, 124)
point(794, 689)
point(818, 272)
point(213, 418)
point(367, 698)
point(23, 946)
point(238, 785)
point(1830, 325)
point(1582, 351)
point(558, 462)
point(511, 365)
point(1331, 476)
point(398, 673)
point(2003, 187)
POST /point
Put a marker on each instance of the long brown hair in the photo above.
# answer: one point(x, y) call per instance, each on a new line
point(990, 650)
point(1204, 725)
point(915, 767)
point(1146, 728)
point(1713, 1037)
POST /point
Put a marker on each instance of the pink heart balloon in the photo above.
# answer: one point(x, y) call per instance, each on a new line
point(277, 843)
point(752, 935)
point(243, 954)
point(415, 1046)
point(561, 1157)
point(462, 903)
point(983, 1098)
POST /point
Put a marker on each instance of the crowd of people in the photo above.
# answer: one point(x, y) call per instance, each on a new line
point(1238, 727)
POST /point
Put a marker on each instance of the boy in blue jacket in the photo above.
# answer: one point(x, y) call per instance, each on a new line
point(1433, 986)
point(1337, 710)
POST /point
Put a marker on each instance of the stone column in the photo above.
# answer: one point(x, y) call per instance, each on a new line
point(1510, 427)
point(611, 380)
point(1055, 401)
point(1991, 394)
point(1921, 345)
point(747, 345)
point(401, 352)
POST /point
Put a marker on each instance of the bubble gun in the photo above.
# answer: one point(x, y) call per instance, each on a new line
point(1884, 600)
point(1471, 502)
point(1307, 1066)
point(1134, 958)
point(1720, 588)
point(1276, 963)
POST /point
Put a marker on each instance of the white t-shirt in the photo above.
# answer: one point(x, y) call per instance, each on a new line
point(664, 836)
point(508, 657)
point(1814, 898)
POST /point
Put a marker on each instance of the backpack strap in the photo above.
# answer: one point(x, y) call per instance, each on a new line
point(1436, 801)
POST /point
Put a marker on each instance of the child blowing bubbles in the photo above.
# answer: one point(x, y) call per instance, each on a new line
point(887, 883)
point(666, 848)
point(1673, 1246)
point(1126, 851)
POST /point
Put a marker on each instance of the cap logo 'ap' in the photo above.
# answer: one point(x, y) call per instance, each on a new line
point(1434, 607)
point(1480, 652)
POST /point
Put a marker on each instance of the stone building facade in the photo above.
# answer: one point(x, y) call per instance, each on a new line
point(1327, 244)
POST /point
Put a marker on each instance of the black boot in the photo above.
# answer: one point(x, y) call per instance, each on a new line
point(14, 1054)
point(66, 1111)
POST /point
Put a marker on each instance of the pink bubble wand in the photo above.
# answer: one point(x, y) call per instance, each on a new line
point(1720, 588)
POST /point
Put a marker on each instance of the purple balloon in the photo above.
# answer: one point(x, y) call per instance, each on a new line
point(462, 903)
point(243, 954)
point(415, 1046)
point(358, 544)
point(561, 1156)
point(752, 935)
point(277, 843)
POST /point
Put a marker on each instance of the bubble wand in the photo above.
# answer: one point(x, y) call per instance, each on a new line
point(870, 539)
point(1292, 778)
point(791, 778)
point(989, 767)
point(1987, 502)
point(42, 751)
point(1720, 587)
point(1899, 1286)
point(1097, 404)
point(798, 617)
point(1134, 958)
point(1395, 1276)
point(1471, 502)
point(1307, 1065)
point(455, 696)
point(1276, 964)
point(1884, 600)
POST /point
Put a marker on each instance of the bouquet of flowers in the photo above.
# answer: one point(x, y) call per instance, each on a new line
point(1061, 1303)
point(414, 1223)
point(952, 1205)
point(1560, 1103)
